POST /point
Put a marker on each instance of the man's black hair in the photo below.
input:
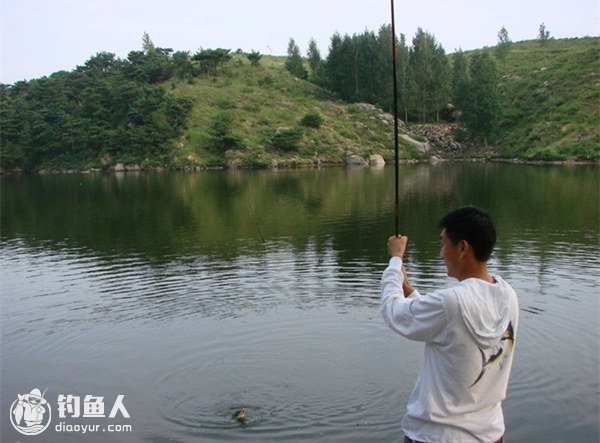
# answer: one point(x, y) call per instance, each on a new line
point(473, 225)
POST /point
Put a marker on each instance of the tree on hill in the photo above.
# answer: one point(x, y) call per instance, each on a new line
point(102, 62)
point(221, 133)
point(430, 67)
point(315, 62)
point(440, 89)
point(482, 105)
point(386, 91)
point(254, 58)
point(403, 74)
point(543, 34)
point(370, 69)
point(503, 45)
point(150, 67)
point(147, 44)
point(405, 80)
point(182, 65)
point(359, 68)
point(210, 59)
point(460, 80)
point(339, 67)
point(294, 63)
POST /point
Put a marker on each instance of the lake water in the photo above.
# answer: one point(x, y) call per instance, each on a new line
point(197, 295)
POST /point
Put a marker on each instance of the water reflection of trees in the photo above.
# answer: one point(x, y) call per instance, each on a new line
point(225, 214)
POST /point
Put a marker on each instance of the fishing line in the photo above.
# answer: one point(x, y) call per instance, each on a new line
point(262, 237)
point(252, 212)
point(396, 172)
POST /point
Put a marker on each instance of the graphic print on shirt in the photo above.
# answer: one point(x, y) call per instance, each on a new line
point(493, 354)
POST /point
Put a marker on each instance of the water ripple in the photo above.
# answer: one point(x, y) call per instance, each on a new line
point(298, 395)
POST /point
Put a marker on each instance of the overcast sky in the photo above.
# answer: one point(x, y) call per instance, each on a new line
point(39, 37)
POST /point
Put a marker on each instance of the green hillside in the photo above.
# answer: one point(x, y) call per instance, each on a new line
point(262, 99)
point(551, 100)
point(550, 111)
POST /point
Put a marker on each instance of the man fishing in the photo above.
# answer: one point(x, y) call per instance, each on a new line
point(469, 333)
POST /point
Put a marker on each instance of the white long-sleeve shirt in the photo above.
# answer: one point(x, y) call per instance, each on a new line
point(469, 332)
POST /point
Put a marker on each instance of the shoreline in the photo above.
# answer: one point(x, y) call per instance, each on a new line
point(128, 169)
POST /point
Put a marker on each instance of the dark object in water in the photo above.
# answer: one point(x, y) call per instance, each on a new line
point(240, 415)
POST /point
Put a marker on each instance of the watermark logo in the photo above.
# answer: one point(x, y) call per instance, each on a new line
point(30, 414)
point(93, 406)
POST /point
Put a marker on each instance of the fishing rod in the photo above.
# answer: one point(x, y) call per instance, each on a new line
point(395, 83)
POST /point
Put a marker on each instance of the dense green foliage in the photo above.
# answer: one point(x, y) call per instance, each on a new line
point(312, 120)
point(221, 131)
point(358, 68)
point(480, 100)
point(210, 59)
point(315, 62)
point(294, 62)
point(254, 58)
point(108, 107)
point(287, 139)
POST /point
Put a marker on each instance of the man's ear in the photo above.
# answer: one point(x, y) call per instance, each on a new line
point(463, 247)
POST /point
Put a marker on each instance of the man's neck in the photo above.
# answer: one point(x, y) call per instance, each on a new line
point(478, 270)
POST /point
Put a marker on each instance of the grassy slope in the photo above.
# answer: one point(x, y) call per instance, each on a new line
point(267, 97)
point(551, 100)
point(551, 110)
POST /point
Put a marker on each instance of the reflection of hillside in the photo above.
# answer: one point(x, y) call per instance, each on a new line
point(223, 213)
point(432, 180)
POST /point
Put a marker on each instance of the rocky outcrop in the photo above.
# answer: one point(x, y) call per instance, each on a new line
point(356, 160)
point(377, 114)
point(441, 138)
point(366, 107)
point(422, 147)
point(376, 161)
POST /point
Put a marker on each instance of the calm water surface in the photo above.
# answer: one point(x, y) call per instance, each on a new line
point(197, 295)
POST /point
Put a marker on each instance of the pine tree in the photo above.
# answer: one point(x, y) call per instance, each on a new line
point(440, 87)
point(460, 79)
point(338, 67)
point(503, 46)
point(406, 84)
point(482, 107)
point(147, 44)
point(430, 67)
point(294, 63)
point(254, 58)
point(314, 60)
point(212, 58)
point(369, 68)
point(182, 65)
point(403, 73)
